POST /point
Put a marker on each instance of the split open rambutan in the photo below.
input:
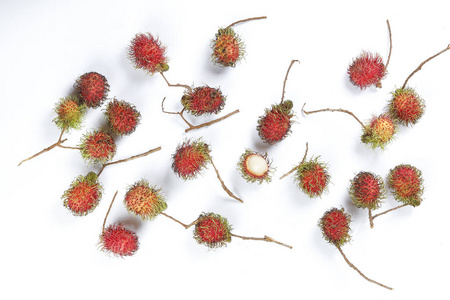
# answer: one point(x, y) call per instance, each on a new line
point(93, 89)
point(255, 167)
point(335, 226)
point(83, 195)
point(366, 70)
point(312, 177)
point(69, 113)
point(213, 230)
point(227, 47)
point(122, 117)
point(144, 200)
point(118, 240)
point(147, 53)
point(97, 147)
point(367, 190)
point(203, 100)
point(406, 183)
point(380, 131)
point(406, 107)
point(190, 158)
point(276, 123)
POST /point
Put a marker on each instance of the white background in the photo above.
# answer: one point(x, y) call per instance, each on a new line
point(47, 252)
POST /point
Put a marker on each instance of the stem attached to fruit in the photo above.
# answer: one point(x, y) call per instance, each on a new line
point(265, 238)
point(370, 218)
point(333, 110)
point(179, 222)
point(385, 212)
point(223, 184)
point(390, 44)
point(295, 168)
point(286, 77)
point(109, 209)
point(245, 20)
point(360, 273)
point(179, 85)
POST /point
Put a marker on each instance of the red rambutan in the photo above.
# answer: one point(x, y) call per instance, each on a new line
point(255, 167)
point(406, 107)
point(366, 70)
point(335, 226)
point(122, 117)
point(97, 147)
point(213, 230)
point(83, 195)
point(203, 100)
point(147, 53)
point(118, 240)
point(312, 177)
point(227, 47)
point(190, 158)
point(406, 183)
point(367, 190)
point(276, 123)
point(144, 200)
point(93, 88)
point(380, 131)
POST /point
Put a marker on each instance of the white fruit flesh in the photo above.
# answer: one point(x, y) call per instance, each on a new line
point(256, 165)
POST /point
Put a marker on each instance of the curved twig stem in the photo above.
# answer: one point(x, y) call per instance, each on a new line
point(424, 62)
point(181, 223)
point(294, 168)
point(127, 159)
point(223, 184)
point(390, 44)
point(109, 209)
point(246, 20)
point(389, 210)
point(356, 269)
point(179, 85)
point(265, 238)
point(333, 110)
point(286, 77)
point(192, 127)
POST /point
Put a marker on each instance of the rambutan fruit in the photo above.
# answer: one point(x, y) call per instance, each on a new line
point(203, 100)
point(380, 131)
point(97, 147)
point(147, 53)
point(367, 190)
point(83, 195)
point(118, 240)
point(69, 113)
point(406, 107)
point(255, 167)
point(367, 69)
point(144, 200)
point(93, 89)
point(227, 47)
point(312, 177)
point(212, 231)
point(122, 117)
point(190, 158)
point(406, 183)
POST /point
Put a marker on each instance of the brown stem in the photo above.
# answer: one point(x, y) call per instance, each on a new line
point(179, 85)
point(286, 77)
point(370, 218)
point(424, 62)
point(43, 151)
point(385, 212)
point(360, 273)
point(192, 127)
point(265, 238)
point(127, 159)
point(69, 147)
point(223, 184)
point(182, 224)
point(390, 44)
point(109, 209)
point(333, 110)
point(245, 20)
point(294, 168)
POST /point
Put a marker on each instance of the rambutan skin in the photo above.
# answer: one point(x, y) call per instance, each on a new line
point(93, 89)
point(190, 158)
point(97, 147)
point(276, 123)
point(406, 183)
point(118, 240)
point(203, 100)
point(250, 176)
point(312, 177)
point(406, 107)
point(379, 132)
point(335, 226)
point(84, 195)
point(366, 70)
point(367, 190)
point(69, 113)
point(212, 231)
point(122, 117)
point(227, 47)
point(147, 53)
point(144, 200)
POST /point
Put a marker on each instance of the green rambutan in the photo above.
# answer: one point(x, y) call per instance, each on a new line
point(144, 200)
point(367, 190)
point(406, 107)
point(69, 113)
point(83, 195)
point(93, 89)
point(212, 231)
point(190, 158)
point(147, 53)
point(203, 100)
point(122, 117)
point(406, 183)
point(118, 240)
point(312, 177)
point(380, 131)
point(255, 167)
point(97, 147)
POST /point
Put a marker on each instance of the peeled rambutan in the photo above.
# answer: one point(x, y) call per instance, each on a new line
point(276, 123)
point(380, 131)
point(93, 88)
point(227, 47)
point(190, 158)
point(366, 70)
point(367, 190)
point(144, 200)
point(406, 183)
point(118, 240)
point(203, 100)
point(122, 117)
point(83, 195)
point(312, 177)
point(147, 53)
point(69, 113)
point(335, 226)
point(97, 147)
point(406, 107)
point(213, 230)
point(255, 167)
